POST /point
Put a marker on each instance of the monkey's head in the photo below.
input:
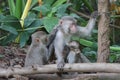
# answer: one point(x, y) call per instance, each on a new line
point(74, 45)
point(39, 37)
point(68, 24)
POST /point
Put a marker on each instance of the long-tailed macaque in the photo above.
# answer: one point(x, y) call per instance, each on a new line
point(37, 53)
point(66, 28)
point(74, 54)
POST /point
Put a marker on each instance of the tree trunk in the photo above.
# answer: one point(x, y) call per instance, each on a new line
point(103, 31)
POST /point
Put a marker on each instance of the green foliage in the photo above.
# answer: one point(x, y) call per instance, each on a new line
point(88, 5)
point(90, 53)
point(16, 7)
point(9, 29)
point(50, 10)
point(24, 36)
point(50, 22)
point(62, 9)
point(11, 23)
point(44, 9)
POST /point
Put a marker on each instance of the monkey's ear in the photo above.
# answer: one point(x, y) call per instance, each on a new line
point(46, 39)
point(37, 39)
point(60, 22)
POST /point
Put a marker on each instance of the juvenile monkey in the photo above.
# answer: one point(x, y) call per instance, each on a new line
point(37, 53)
point(74, 54)
point(66, 28)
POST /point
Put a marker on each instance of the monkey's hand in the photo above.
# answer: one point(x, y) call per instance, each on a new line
point(95, 14)
point(60, 65)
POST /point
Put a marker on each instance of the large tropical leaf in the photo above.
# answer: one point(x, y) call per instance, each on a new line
point(50, 22)
point(9, 29)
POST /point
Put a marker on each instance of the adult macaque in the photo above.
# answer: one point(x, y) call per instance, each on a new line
point(66, 28)
point(37, 53)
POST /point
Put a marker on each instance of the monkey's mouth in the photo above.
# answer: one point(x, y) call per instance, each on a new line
point(73, 32)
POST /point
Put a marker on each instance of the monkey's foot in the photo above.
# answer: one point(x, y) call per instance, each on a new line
point(60, 65)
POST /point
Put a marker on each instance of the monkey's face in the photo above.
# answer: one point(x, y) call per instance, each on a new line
point(44, 39)
point(39, 37)
point(72, 28)
point(69, 26)
point(74, 45)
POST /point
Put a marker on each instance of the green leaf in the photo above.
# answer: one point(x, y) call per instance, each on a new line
point(2, 16)
point(29, 19)
point(61, 10)
point(11, 6)
point(9, 29)
point(18, 8)
point(50, 22)
point(48, 2)
point(58, 3)
point(8, 39)
point(34, 26)
point(86, 2)
point(55, 7)
point(24, 3)
point(44, 9)
point(34, 2)
point(112, 58)
point(11, 21)
point(24, 36)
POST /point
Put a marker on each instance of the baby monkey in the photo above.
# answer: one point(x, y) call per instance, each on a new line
point(74, 54)
point(37, 52)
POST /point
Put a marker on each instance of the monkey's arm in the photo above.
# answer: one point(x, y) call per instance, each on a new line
point(59, 46)
point(86, 31)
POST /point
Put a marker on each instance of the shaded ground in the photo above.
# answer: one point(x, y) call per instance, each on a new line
point(12, 56)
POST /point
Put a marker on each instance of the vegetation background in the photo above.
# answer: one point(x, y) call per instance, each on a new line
point(20, 18)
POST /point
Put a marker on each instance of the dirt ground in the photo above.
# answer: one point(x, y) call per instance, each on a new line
point(12, 56)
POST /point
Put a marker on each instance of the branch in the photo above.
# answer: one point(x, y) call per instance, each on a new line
point(92, 76)
point(96, 76)
point(79, 67)
point(79, 13)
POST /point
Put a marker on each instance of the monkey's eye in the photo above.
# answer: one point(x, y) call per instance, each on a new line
point(37, 40)
point(61, 22)
point(74, 24)
point(72, 47)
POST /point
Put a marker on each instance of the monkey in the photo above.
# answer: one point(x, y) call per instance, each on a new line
point(74, 53)
point(66, 28)
point(37, 52)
